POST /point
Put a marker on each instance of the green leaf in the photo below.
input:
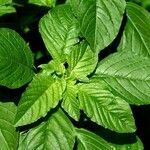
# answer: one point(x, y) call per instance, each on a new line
point(90, 141)
point(42, 94)
point(133, 146)
point(59, 30)
point(70, 102)
point(6, 10)
point(136, 34)
point(8, 134)
point(100, 20)
point(48, 3)
point(128, 76)
point(53, 67)
point(82, 61)
point(57, 133)
point(4, 2)
point(16, 62)
point(102, 107)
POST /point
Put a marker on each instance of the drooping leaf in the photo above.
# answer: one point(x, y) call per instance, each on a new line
point(100, 20)
point(42, 94)
point(59, 30)
point(82, 61)
point(128, 76)
point(133, 146)
point(70, 102)
point(136, 34)
point(102, 107)
point(16, 62)
point(48, 3)
point(57, 133)
point(8, 134)
point(90, 141)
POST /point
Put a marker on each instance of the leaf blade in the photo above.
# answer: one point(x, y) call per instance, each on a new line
point(59, 30)
point(128, 76)
point(82, 61)
point(102, 107)
point(43, 94)
point(16, 62)
point(55, 133)
point(136, 34)
point(8, 133)
point(70, 102)
point(88, 140)
point(98, 21)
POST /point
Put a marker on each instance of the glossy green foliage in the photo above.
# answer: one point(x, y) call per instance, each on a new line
point(136, 34)
point(8, 133)
point(16, 62)
point(128, 75)
point(56, 133)
point(82, 84)
point(59, 30)
point(99, 20)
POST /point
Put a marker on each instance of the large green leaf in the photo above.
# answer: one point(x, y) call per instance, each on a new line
point(136, 34)
point(16, 62)
point(8, 134)
point(100, 20)
point(82, 61)
point(128, 76)
point(59, 30)
point(70, 102)
point(131, 146)
point(57, 133)
point(48, 3)
point(102, 107)
point(43, 93)
point(90, 141)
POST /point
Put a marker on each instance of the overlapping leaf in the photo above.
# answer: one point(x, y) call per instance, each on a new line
point(82, 61)
point(59, 30)
point(102, 107)
point(136, 34)
point(100, 20)
point(90, 141)
point(70, 102)
point(8, 134)
point(56, 133)
point(43, 93)
point(16, 62)
point(128, 75)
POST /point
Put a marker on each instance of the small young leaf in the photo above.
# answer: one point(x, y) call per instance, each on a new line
point(102, 107)
point(100, 20)
point(16, 62)
point(128, 76)
point(57, 133)
point(43, 93)
point(133, 146)
point(137, 31)
point(90, 141)
point(59, 30)
point(70, 102)
point(8, 134)
point(82, 61)
point(53, 66)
